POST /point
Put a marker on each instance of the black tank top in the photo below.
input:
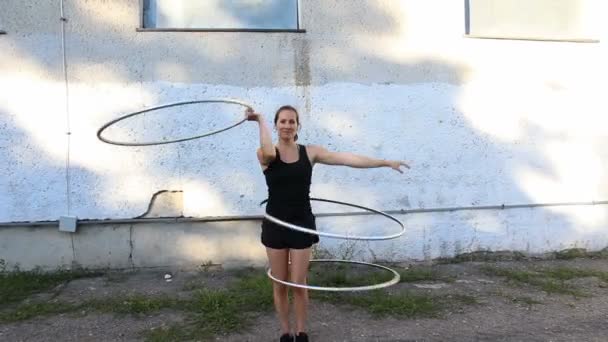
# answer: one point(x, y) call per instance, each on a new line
point(289, 184)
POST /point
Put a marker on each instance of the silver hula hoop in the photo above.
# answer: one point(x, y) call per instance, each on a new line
point(121, 143)
point(339, 236)
point(396, 278)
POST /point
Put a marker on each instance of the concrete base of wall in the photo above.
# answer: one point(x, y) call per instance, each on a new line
point(189, 243)
point(139, 245)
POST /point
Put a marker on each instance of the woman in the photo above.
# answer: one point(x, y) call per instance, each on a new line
point(288, 170)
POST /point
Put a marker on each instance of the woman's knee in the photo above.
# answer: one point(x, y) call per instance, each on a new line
point(299, 292)
point(299, 279)
point(280, 289)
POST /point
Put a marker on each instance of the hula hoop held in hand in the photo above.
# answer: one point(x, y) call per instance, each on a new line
point(124, 117)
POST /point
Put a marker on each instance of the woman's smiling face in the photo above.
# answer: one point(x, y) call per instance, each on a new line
point(287, 124)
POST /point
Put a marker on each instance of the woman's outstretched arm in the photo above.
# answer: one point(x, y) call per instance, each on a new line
point(321, 155)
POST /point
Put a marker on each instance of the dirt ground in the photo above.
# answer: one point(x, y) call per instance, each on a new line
point(501, 309)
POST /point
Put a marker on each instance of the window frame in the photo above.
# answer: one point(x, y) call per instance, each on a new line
point(141, 27)
point(467, 32)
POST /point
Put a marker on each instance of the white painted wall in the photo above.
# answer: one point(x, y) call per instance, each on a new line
point(482, 122)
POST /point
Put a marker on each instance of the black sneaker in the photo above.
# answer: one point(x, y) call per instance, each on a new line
point(287, 338)
point(301, 337)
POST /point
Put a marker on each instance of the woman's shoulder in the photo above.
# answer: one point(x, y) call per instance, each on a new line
point(307, 148)
point(312, 151)
point(259, 149)
point(310, 146)
point(313, 148)
point(266, 162)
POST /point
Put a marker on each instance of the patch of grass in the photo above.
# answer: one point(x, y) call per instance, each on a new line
point(534, 277)
point(403, 304)
point(346, 276)
point(218, 312)
point(543, 280)
point(16, 286)
point(601, 254)
point(332, 279)
point(560, 287)
point(419, 274)
point(173, 333)
point(381, 303)
point(27, 311)
point(193, 284)
point(344, 279)
point(574, 253)
point(483, 256)
point(514, 275)
point(136, 304)
point(571, 253)
point(211, 312)
point(255, 292)
point(567, 273)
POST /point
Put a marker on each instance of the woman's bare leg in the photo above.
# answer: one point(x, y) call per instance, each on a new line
point(279, 266)
point(300, 259)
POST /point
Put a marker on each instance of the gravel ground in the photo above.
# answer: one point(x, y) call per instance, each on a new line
point(503, 310)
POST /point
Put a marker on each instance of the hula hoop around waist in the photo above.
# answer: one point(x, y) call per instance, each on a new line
point(339, 236)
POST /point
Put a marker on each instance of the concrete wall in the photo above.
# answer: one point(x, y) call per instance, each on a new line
point(185, 245)
point(483, 122)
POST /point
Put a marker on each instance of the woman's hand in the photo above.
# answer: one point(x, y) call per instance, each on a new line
point(250, 115)
point(396, 165)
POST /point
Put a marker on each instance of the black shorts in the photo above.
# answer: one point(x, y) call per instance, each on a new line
point(279, 237)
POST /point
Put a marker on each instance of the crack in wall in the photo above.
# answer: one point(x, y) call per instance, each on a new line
point(131, 246)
